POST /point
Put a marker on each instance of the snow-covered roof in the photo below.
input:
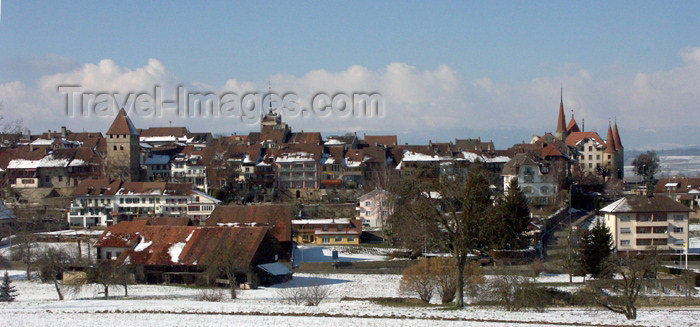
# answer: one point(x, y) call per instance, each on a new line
point(275, 268)
point(51, 162)
point(157, 159)
point(42, 142)
point(320, 221)
point(671, 184)
point(334, 142)
point(415, 156)
point(294, 157)
point(23, 164)
point(76, 163)
point(207, 196)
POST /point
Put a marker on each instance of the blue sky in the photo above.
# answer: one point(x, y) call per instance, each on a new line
point(520, 51)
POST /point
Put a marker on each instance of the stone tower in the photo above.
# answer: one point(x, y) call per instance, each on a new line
point(610, 160)
point(620, 152)
point(123, 150)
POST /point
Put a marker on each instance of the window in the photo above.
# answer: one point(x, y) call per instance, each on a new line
point(338, 238)
point(643, 217)
point(325, 228)
point(660, 230)
point(643, 241)
point(624, 218)
point(590, 148)
point(678, 217)
point(351, 238)
point(121, 200)
point(340, 227)
point(678, 229)
point(115, 148)
point(368, 203)
point(590, 165)
point(624, 242)
point(60, 178)
point(659, 217)
point(625, 230)
point(121, 147)
point(326, 240)
point(590, 157)
point(108, 255)
point(597, 157)
point(368, 213)
point(609, 157)
point(643, 230)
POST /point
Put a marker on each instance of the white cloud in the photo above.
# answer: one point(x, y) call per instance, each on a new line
point(428, 103)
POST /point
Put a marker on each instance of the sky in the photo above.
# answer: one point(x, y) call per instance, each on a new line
point(440, 70)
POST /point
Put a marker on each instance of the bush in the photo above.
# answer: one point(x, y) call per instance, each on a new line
point(211, 295)
point(314, 295)
point(418, 279)
point(311, 295)
point(437, 276)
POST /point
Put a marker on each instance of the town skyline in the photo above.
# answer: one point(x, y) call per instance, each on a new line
point(641, 68)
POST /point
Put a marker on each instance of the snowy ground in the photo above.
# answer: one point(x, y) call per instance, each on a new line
point(310, 253)
point(158, 305)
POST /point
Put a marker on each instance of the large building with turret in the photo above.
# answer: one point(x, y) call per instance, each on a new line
point(594, 155)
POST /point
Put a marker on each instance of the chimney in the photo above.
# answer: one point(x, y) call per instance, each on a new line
point(63, 131)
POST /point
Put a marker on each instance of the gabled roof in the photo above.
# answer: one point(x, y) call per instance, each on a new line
point(97, 187)
point(122, 125)
point(677, 185)
point(163, 131)
point(574, 138)
point(181, 245)
point(641, 203)
point(305, 138)
point(573, 126)
point(385, 140)
point(276, 216)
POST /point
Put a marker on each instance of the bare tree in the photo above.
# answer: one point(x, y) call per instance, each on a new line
point(26, 249)
point(110, 273)
point(52, 262)
point(224, 261)
point(634, 271)
point(461, 213)
point(418, 279)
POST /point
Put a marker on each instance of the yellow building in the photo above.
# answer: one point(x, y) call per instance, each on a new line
point(327, 231)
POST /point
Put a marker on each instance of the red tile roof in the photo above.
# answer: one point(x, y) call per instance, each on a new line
point(122, 125)
point(276, 216)
point(575, 137)
point(164, 131)
point(386, 140)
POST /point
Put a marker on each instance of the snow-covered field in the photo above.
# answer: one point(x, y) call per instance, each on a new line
point(159, 305)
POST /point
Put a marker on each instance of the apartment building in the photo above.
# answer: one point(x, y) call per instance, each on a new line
point(638, 222)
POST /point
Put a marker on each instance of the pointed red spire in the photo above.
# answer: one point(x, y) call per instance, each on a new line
point(610, 141)
point(616, 135)
point(561, 122)
point(573, 126)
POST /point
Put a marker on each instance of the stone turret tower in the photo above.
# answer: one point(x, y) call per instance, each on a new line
point(123, 150)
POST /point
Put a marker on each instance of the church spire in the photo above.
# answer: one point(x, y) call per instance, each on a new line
point(561, 121)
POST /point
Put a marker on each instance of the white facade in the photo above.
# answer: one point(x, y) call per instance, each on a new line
point(106, 210)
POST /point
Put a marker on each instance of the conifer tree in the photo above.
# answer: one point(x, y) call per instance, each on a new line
point(595, 249)
point(514, 216)
point(7, 291)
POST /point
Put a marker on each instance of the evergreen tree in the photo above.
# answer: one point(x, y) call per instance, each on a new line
point(514, 218)
point(595, 249)
point(7, 291)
